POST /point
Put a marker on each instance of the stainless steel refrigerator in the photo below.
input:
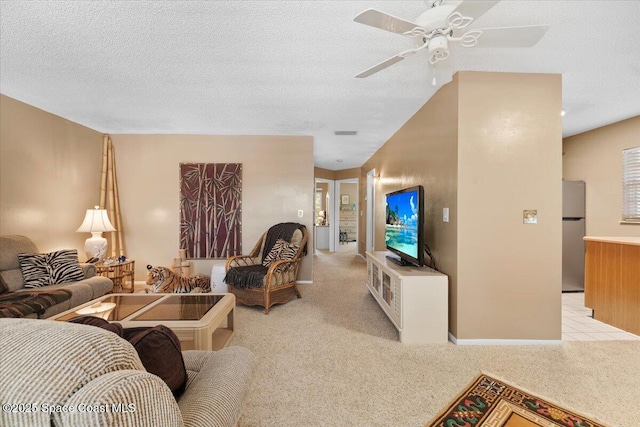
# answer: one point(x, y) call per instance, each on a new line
point(573, 228)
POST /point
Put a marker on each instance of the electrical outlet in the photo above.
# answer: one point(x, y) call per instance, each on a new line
point(300, 213)
point(445, 214)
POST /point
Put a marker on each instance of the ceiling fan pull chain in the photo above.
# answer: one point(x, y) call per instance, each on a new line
point(433, 70)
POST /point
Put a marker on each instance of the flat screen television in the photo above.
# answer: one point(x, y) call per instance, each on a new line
point(404, 226)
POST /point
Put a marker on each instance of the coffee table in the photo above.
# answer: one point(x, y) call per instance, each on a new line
point(201, 321)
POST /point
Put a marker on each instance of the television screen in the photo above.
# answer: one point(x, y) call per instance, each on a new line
point(404, 224)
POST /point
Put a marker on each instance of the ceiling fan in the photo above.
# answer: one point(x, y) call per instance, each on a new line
point(443, 24)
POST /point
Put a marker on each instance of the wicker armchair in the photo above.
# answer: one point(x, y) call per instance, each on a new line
point(278, 281)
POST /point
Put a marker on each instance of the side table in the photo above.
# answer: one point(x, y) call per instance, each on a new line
point(121, 273)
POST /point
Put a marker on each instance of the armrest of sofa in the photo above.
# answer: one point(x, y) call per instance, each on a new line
point(88, 269)
point(218, 385)
point(122, 398)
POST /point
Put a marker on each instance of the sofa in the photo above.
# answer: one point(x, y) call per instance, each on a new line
point(66, 374)
point(81, 291)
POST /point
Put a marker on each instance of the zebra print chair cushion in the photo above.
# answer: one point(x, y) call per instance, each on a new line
point(281, 250)
point(51, 268)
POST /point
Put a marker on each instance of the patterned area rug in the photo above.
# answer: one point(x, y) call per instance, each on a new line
point(490, 402)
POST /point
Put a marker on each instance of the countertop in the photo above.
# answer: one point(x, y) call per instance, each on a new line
point(618, 240)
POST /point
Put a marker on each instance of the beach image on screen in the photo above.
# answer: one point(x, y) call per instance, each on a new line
point(401, 229)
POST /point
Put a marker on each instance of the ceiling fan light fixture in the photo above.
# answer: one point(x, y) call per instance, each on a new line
point(438, 49)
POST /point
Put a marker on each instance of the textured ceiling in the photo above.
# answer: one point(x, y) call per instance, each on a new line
point(287, 67)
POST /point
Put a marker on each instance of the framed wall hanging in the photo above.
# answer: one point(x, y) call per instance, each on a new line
point(211, 209)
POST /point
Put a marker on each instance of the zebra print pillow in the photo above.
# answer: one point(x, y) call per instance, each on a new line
point(51, 268)
point(281, 250)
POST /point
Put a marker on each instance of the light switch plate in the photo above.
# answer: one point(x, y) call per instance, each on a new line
point(530, 216)
point(445, 214)
point(300, 213)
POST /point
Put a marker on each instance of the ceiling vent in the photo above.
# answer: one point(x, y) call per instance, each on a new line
point(345, 132)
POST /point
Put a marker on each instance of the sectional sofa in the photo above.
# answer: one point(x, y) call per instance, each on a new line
point(46, 304)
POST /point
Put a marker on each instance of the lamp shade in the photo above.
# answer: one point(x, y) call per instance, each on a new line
point(96, 220)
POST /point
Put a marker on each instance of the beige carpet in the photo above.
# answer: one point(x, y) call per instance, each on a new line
point(332, 358)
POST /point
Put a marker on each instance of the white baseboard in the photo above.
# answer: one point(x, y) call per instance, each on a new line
point(304, 282)
point(502, 342)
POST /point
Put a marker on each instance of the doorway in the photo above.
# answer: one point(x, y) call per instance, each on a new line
point(346, 213)
point(323, 223)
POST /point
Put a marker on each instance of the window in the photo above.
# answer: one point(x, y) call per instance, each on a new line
point(631, 184)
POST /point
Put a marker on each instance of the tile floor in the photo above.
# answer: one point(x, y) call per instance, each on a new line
point(578, 325)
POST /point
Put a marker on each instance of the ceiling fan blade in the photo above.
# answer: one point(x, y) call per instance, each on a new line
point(381, 66)
point(375, 18)
point(474, 9)
point(526, 36)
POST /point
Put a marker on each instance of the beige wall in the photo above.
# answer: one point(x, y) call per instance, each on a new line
point(596, 158)
point(424, 152)
point(338, 174)
point(487, 146)
point(277, 181)
point(351, 190)
point(324, 173)
point(509, 160)
point(347, 173)
point(49, 175)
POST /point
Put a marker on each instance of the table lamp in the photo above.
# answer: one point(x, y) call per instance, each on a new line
point(95, 222)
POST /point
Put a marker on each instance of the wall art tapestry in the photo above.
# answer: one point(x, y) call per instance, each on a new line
point(210, 209)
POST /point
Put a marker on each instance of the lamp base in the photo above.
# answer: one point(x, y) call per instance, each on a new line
point(96, 246)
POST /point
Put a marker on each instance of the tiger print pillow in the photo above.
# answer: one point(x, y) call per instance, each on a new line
point(51, 268)
point(281, 250)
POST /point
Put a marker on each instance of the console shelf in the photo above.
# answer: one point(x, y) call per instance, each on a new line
point(416, 299)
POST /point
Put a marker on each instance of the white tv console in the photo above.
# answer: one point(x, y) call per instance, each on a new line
point(416, 299)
